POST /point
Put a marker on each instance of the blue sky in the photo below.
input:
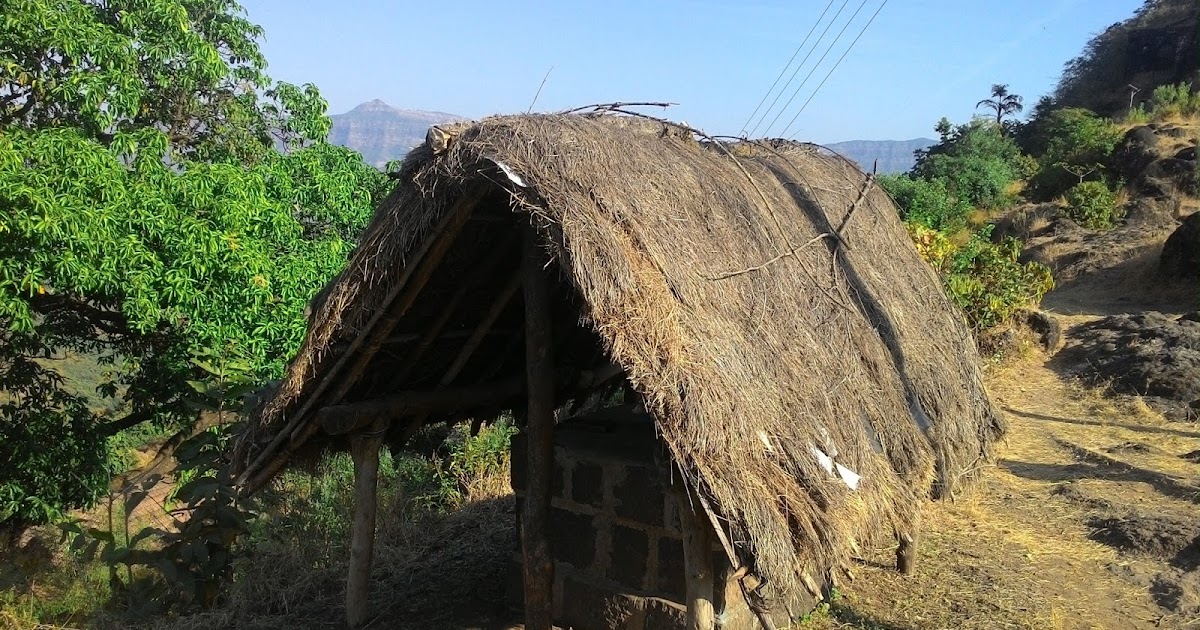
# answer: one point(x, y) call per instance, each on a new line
point(918, 60)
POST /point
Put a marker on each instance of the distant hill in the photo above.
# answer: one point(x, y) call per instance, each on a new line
point(895, 156)
point(381, 132)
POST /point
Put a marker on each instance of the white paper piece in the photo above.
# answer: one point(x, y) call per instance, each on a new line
point(849, 476)
point(762, 436)
point(824, 460)
point(511, 174)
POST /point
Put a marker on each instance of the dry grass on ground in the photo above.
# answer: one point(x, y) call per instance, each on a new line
point(1021, 552)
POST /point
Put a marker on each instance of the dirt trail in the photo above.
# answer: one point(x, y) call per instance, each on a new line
point(1089, 519)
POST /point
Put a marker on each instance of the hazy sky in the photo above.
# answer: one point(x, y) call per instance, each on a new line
point(918, 61)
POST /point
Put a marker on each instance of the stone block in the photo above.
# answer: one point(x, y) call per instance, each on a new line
point(572, 537)
point(587, 484)
point(592, 606)
point(630, 551)
point(670, 579)
point(639, 495)
point(662, 614)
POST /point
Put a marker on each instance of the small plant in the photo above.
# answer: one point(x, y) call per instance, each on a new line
point(1137, 115)
point(1093, 205)
point(1175, 100)
point(985, 279)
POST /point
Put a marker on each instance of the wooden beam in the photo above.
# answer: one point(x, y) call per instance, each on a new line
point(342, 419)
point(269, 459)
point(481, 329)
point(539, 427)
point(364, 450)
point(698, 542)
point(433, 333)
point(428, 265)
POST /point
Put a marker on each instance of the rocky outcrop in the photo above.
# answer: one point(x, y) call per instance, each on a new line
point(1181, 253)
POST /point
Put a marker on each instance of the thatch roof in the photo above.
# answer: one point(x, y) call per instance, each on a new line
point(768, 312)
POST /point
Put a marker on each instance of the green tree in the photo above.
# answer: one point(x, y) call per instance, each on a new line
point(1003, 103)
point(977, 164)
point(1076, 144)
point(160, 197)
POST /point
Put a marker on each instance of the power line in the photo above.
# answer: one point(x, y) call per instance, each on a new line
point(799, 67)
point(814, 68)
point(835, 66)
point(789, 65)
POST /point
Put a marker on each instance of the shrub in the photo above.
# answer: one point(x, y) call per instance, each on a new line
point(985, 279)
point(1137, 116)
point(976, 161)
point(1174, 100)
point(928, 203)
point(1093, 205)
point(1076, 141)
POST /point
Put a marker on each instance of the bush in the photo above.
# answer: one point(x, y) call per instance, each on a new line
point(927, 203)
point(1093, 205)
point(976, 161)
point(1174, 100)
point(985, 279)
point(1078, 143)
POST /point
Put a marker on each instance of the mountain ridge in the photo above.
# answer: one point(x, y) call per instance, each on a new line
point(382, 132)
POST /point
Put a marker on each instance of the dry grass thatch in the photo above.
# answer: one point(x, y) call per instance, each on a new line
point(762, 298)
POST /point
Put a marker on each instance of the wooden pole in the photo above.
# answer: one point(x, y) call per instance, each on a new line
point(539, 427)
point(697, 561)
point(364, 449)
point(906, 552)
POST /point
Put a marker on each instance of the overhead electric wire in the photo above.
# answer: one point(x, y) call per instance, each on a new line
point(789, 65)
point(814, 68)
point(835, 66)
point(799, 67)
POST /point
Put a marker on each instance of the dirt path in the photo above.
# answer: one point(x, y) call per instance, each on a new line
point(1090, 519)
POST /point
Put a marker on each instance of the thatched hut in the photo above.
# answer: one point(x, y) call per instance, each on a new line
point(809, 381)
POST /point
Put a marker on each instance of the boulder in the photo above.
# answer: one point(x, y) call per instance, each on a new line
point(1180, 256)
point(1135, 152)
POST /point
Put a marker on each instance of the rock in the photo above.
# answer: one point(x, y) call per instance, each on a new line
point(1180, 256)
point(1135, 152)
point(1047, 328)
point(1150, 354)
point(1172, 131)
point(1169, 168)
point(1187, 153)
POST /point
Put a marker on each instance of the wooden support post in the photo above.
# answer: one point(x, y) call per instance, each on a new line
point(364, 449)
point(697, 560)
point(906, 553)
point(539, 427)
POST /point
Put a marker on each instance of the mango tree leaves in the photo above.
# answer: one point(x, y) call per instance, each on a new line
point(160, 199)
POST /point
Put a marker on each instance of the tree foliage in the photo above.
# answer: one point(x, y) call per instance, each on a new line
point(159, 197)
point(1002, 103)
point(976, 162)
point(1077, 145)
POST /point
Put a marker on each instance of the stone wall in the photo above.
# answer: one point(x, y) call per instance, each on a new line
point(615, 533)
